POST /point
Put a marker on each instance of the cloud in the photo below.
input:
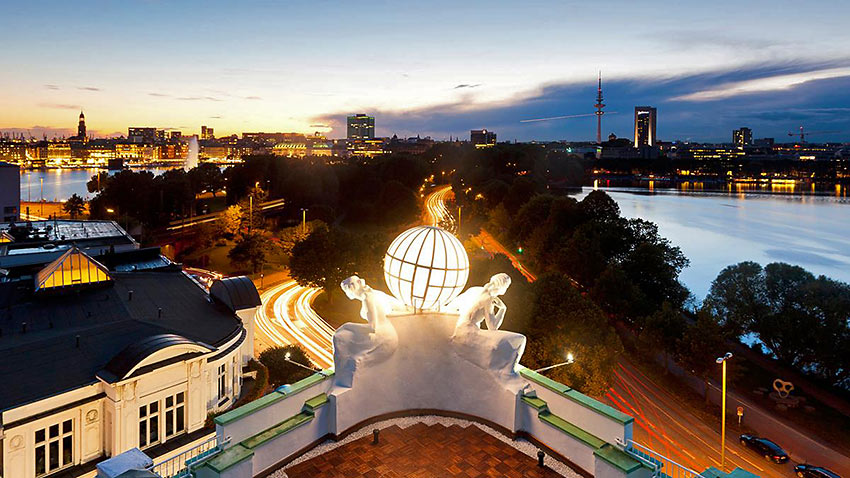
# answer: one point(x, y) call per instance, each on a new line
point(159, 95)
point(189, 98)
point(465, 85)
point(253, 98)
point(52, 87)
point(215, 117)
point(88, 88)
point(197, 98)
point(59, 106)
point(319, 125)
point(758, 85)
point(818, 104)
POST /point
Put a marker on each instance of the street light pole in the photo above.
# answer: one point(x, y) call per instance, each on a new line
point(570, 359)
point(722, 360)
point(303, 220)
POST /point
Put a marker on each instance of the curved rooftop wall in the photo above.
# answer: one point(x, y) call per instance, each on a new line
point(425, 375)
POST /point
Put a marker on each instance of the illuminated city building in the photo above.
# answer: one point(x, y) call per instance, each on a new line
point(141, 135)
point(360, 127)
point(290, 150)
point(367, 148)
point(645, 121)
point(482, 138)
point(742, 137)
point(207, 133)
point(113, 348)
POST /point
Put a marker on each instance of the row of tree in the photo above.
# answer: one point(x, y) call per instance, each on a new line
point(801, 319)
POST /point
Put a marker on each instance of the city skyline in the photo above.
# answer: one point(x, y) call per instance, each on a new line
point(165, 67)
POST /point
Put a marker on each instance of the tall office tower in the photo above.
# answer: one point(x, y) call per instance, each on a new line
point(645, 118)
point(207, 133)
point(361, 126)
point(81, 127)
point(742, 137)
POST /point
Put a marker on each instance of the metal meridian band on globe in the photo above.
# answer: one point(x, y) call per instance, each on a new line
point(425, 267)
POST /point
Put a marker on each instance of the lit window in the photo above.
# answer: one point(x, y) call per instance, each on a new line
point(54, 447)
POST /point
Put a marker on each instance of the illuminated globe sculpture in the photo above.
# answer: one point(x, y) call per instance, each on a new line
point(426, 267)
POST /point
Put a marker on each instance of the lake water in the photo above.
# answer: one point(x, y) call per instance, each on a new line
point(715, 230)
point(60, 184)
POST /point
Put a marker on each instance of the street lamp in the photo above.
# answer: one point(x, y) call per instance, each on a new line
point(303, 220)
point(722, 360)
point(570, 359)
point(293, 362)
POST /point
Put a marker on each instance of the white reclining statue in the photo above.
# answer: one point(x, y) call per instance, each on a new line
point(356, 345)
point(492, 349)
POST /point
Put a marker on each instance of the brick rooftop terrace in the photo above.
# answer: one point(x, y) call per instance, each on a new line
point(423, 451)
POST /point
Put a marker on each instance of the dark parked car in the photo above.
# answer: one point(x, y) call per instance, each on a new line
point(809, 471)
point(764, 447)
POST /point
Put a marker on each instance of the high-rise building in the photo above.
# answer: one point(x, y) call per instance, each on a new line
point(207, 133)
point(645, 119)
point(141, 135)
point(361, 126)
point(81, 127)
point(742, 137)
point(482, 138)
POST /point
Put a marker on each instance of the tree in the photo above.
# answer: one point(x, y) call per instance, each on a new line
point(206, 177)
point(281, 371)
point(599, 206)
point(564, 321)
point(290, 236)
point(662, 331)
point(327, 256)
point(75, 205)
point(737, 297)
point(252, 248)
point(229, 222)
point(252, 210)
point(701, 343)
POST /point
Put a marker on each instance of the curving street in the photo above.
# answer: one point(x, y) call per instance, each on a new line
point(436, 212)
point(287, 317)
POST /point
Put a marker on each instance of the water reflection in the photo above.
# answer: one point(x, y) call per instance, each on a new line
point(719, 228)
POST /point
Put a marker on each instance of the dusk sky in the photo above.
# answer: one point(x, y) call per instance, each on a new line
point(431, 68)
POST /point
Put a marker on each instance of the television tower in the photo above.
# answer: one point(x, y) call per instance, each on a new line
point(599, 105)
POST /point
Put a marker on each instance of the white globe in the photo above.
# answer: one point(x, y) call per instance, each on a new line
point(426, 267)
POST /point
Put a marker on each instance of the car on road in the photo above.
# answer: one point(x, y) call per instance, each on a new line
point(809, 471)
point(764, 447)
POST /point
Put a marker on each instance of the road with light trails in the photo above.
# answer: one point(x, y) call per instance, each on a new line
point(287, 317)
point(436, 212)
point(665, 425)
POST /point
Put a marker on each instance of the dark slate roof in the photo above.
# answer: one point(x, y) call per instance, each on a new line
point(236, 293)
point(133, 354)
point(45, 360)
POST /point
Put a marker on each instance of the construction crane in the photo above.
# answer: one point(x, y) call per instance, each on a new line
point(802, 133)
